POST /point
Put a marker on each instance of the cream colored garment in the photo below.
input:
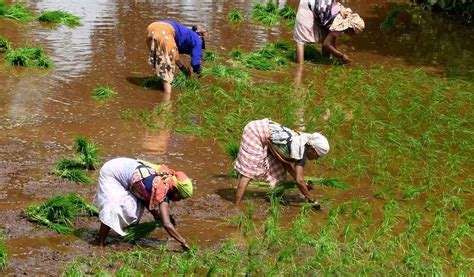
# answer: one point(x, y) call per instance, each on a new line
point(351, 20)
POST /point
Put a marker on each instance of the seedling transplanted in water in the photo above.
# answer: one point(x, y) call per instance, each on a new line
point(58, 212)
point(60, 17)
point(209, 56)
point(4, 44)
point(268, 14)
point(28, 57)
point(267, 58)
point(102, 93)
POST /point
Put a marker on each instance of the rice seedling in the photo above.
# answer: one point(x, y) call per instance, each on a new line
point(412, 192)
point(3, 252)
point(234, 16)
point(267, 14)
point(257, 61)
point(391, 19)
point(232, 149)
point(454, 202)
point(461, 232)
point(88, 152)
point(75, 175)
point(58, 212)
point(468, 216)
point(227, 73)
point(236, 54)
point(4, 44)
point(60, 17)
point(28, 57)
point(414, 221)
point(287, 12)
point(103, 93)
point(17, 11)
point(140, 231)
point(182, 82)
point(209, 56)
point(127, 114)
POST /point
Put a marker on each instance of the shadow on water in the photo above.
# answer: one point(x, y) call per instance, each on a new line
point(148, 82)
point(419, 38)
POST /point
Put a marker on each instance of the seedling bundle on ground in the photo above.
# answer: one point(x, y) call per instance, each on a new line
point(269, 14)
point(235, 16)
point(58, 213)
point(140, 231)
point(103, 93)
point(4, 44)
point(18, 11)
point(86, 157)
point(28, 57)
point(267, 58)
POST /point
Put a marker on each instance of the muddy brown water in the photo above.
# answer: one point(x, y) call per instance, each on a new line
point(41, 112)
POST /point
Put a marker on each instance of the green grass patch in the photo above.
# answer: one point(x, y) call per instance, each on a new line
point(209, 56)
point(4, 44)
point(266, 13)
point(59, 212)
point(60, 17)
point(235, 16)
point(28, 57)
point(103, 93)
point(227, 73)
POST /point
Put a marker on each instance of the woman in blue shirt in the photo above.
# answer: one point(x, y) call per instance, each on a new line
point(166, 40)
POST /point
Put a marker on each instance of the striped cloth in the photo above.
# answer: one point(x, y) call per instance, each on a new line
point(254, 159)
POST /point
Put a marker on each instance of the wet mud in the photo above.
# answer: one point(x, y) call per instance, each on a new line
point(42, 111)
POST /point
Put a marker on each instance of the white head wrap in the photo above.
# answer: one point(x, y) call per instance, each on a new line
point(319, 143)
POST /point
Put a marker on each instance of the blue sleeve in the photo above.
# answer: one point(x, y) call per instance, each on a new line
point(196, 55)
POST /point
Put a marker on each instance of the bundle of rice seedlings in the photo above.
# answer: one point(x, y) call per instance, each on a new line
point(58, 212)
point(88, 152)
point(182, 82)
point(257, 61)
point(236, 54)
point(28, 56)
point(60, 17)
point(3, 7)
point(287, 12)
point(267, 14)
point(232, 150)
point(3, 252)
point(17, 11)
point(102, 93)
point(235, 16)
point(4, 44)
point(75, 175)
point(209, 56)
point(140, 231)
point(329, 182)
point(226, 72)
point(153, 82)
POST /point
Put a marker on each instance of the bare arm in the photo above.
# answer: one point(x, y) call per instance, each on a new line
point(169, 226)
point(329, 46)
point(301, 183)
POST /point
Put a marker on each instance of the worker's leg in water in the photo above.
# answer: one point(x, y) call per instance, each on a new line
point(300, 52)
point(167, 87)
point(243, 183)
point(103, 232)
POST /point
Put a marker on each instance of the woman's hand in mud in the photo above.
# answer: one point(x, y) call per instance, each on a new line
point(345, 59)
point(186, 247)
point(309, 185)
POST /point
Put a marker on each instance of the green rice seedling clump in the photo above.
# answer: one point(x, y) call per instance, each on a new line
point(28, 57)
point(209, 56)
point(102, 93)
point(268, 13)
point(288, 12)
point(60, 17)
point(182, 82)
point(267, 58)
point(140, 231)
point(232, 150)
point(235, 16)
point(4, 44)
point(3, 252)
point(86, 157)
point(227, 73)
point(17, 11)
point(58, 212)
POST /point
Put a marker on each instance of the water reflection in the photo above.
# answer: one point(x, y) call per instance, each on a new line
point(156, 142)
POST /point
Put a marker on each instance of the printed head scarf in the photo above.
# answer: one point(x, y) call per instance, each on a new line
point(183, 185)
point(351, 20)
point(319, 143)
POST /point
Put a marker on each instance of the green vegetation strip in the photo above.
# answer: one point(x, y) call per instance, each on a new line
point(59, 212)
point(3, 252)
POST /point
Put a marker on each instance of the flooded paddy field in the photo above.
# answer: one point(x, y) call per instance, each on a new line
point(399, 121)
